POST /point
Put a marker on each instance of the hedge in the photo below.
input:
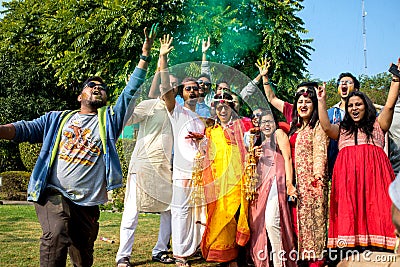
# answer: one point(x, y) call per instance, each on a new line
point(14, 185)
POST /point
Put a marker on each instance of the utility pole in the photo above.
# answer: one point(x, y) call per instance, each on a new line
point(364, 14)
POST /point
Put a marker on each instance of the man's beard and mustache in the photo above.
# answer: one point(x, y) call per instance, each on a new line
point(96, 103)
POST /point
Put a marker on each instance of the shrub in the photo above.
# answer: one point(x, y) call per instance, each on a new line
point(29, 154)
point(15, 185)
point(9, 157)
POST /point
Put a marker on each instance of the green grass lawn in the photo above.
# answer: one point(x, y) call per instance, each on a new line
point(20, 232)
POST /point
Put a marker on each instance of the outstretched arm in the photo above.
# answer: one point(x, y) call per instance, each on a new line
point(263, 66)
point(7, 131)
point(167, 92)
point(332, 130)
point(386, 116)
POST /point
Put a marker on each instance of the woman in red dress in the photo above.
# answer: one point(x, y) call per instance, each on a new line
point(359, 203)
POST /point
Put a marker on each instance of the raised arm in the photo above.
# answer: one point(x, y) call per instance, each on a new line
point(154, 91)
point(263, 66)
point(167, 92)
point(146, 48)
point(250, 88)
point(205, 66)
point(386, 116)
point(7, 131)
point(332, 130)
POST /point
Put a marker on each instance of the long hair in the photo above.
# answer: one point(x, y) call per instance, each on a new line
point(296, 119)
point(366, 124)
point(262, 135)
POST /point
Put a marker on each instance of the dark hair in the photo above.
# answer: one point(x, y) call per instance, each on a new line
point(219, 82)
point(296, 119)
point(182, 85)
point(229, 98)
point(205, 75)
point(266, 112)
point(252, 116)
point(90, 79)
point(366, 124)
point(308, 84)
point(348, 74)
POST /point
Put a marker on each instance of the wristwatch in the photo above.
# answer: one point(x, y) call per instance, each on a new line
point(145, 58)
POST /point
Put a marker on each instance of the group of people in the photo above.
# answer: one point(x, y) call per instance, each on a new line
point(238, 190)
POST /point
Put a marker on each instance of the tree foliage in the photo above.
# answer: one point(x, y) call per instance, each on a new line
point(77, 39)
point(48, 48)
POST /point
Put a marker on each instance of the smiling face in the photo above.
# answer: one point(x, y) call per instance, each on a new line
point(356, 108)
point(93, 95)
point(267, 125)
point(224, 113)
point(305, 107)
point(345, 87)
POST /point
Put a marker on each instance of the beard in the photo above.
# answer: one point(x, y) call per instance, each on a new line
point(96, 103)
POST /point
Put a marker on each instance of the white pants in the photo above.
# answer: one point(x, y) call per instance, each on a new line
point(129, 223)
point(186, 233)
point(272, 223)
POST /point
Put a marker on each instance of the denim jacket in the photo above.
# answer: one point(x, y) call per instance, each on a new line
point(47, 130)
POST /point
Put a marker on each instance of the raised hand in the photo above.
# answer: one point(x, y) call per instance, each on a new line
point(205, 45)
point(321, 92)
point(149, 39)
point(165, 47)
point(263, 65)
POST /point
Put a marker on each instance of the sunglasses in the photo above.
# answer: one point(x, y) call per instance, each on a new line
point(203, 82)
point(189, 88)
point(345, 82)
point(101, 86)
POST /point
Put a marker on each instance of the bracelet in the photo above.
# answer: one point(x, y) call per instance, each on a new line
point(145, 58)
point(265, 83)
point(395, 80)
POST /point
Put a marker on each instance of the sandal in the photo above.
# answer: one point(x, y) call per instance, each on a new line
point(124, 262)
point(163, 257)
point(181, 262)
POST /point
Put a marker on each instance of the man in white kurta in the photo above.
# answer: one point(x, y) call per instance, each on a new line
point(149, 185)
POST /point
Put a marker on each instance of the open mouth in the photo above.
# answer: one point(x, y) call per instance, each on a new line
point(192, 96)
point(344, 91)
point(303, 110)
point(356, 114)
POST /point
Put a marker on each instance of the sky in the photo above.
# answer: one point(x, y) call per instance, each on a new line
point(337, 29)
